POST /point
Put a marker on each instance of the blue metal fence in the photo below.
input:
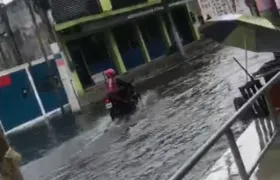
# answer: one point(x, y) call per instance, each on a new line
point(16, 106)
point(31, 94)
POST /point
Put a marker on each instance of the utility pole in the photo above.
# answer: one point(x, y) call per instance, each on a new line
point(176, 40)
point(37, 31)
point(10, 33)
point(41, 7)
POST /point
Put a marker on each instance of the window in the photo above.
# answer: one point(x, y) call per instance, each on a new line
point(150, 28)
point(126, 37)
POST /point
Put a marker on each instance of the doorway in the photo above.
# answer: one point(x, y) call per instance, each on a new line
point(80, 64)
point(90, 56)
point(128, 45)
point(180, 18)
point(150, 28)
point(96, 53)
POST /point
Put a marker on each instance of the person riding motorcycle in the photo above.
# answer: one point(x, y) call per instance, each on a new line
point(117, 89)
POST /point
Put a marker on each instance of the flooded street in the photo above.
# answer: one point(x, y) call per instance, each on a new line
point(180, 111)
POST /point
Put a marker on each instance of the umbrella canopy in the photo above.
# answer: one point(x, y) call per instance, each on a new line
point(246, 32)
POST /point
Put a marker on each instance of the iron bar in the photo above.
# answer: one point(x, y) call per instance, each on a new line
point(264, 129)
point(269, 126)
point(252, 170)
point(260, 134)
point(244, 69)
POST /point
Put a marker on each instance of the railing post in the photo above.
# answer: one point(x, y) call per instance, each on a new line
point(259, 132)
point(269, 126)
point(264, 129)
point(236, 154)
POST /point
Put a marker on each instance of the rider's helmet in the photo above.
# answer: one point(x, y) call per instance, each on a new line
point(111, 84)
point(110, 73)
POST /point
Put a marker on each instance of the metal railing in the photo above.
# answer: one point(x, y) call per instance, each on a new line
point(271, 133)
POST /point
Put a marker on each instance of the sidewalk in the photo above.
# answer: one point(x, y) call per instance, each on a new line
point(154, 68)
point(269, 165)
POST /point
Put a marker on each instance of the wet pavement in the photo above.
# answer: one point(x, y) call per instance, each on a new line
point(269, 165)
point(180, 111)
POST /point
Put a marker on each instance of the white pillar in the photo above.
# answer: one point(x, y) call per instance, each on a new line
point(66, 81)
point(30, 78)
point(64, 74)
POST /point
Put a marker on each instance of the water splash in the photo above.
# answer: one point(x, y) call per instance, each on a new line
point(149, 98)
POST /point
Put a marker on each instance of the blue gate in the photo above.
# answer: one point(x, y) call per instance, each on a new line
point(18, 103)
point(43, 79)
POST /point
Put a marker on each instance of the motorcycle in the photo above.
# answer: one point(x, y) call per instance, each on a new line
point(120, 109)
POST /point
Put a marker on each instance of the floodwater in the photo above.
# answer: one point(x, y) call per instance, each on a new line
point(180, 111)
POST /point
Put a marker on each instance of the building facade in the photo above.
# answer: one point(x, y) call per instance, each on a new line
point(213, 8)
point(93, 34)
point(101, 34)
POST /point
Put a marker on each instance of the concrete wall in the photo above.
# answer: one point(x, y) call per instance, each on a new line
point(24, 33)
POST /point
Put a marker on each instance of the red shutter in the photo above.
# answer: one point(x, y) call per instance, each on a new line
point(5, 81)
